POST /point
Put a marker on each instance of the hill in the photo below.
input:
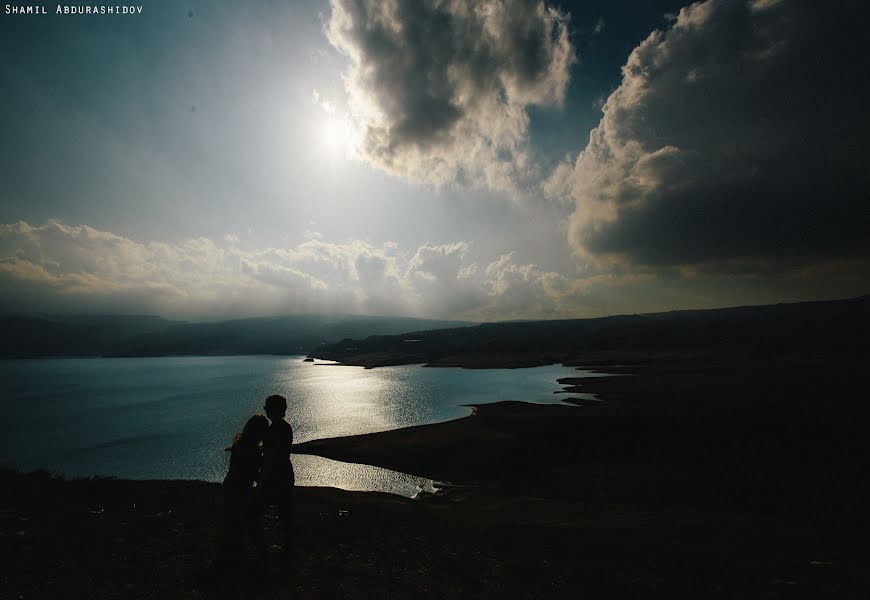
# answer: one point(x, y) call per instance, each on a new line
point(134, 335)
point(827, 326)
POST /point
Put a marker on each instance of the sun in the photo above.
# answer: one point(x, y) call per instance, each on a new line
point(338, 137)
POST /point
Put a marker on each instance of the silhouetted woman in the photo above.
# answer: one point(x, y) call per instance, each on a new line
point(242, 510)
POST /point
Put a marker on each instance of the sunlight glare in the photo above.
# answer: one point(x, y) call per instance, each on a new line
point(338, 137)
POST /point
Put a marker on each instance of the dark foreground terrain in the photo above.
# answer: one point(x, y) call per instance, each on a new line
point(698, 476)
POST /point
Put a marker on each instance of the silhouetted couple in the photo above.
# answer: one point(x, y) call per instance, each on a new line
point(258, 478)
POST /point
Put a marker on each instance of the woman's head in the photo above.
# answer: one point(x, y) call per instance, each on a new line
point(254, 430)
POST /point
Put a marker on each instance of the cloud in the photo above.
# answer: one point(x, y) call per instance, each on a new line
point(443, 275)
point(439, 89)
point(516, 287)
point(325, 105)
point(739, 133)
point(599, 26)
point(57, 267)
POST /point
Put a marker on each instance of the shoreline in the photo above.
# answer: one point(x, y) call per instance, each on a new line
point(695, 478)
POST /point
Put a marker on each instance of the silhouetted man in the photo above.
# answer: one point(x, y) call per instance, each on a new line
point(277, 478)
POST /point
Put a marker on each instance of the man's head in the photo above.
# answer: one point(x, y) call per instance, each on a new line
point(275, 407)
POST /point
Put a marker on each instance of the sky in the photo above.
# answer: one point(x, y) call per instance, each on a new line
point(484, 160)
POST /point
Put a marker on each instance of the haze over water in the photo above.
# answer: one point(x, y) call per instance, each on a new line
point(171, 417)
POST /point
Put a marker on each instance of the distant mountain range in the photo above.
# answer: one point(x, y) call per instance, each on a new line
point(818, 327)
point(136, 335)
point(376, 341)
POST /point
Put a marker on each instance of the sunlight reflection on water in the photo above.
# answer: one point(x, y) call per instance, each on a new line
point(315, 470)
point(171, 417)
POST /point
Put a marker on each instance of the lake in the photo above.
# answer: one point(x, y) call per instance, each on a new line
point(171, 417)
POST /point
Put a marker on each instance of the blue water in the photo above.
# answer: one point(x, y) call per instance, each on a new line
point(171, 417)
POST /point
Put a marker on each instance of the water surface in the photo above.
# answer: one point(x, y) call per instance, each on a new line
point(171, 417)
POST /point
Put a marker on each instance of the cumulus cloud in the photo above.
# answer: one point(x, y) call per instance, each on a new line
point(514, 287)
point(444, 276)
point(440, 88)
point(57, 267)
point(738, 134)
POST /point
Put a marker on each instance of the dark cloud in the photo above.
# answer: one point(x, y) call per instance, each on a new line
point(742, 131)
point(440, 88)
